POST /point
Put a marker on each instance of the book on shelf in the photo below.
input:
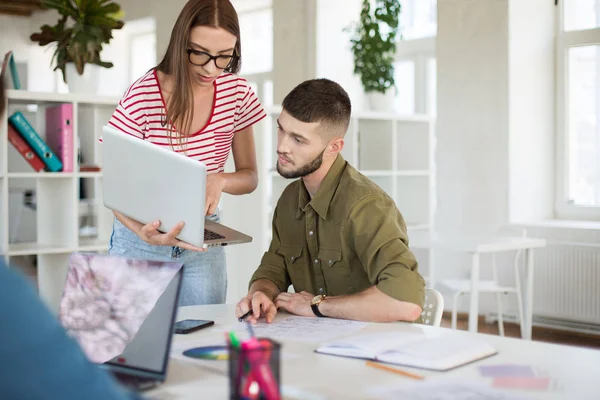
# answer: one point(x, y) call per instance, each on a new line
point(59, 133)
point(89, 168)
point(25, 150)
point(438, 352)
point(22, 126)
point(9, 65)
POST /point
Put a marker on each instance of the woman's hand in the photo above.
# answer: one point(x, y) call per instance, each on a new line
point(214, 188)
point(150, 234)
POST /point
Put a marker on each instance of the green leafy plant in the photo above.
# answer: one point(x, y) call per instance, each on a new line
point(83, 28)
point(374, 44)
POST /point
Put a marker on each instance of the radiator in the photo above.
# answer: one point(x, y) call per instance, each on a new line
point(567, 282)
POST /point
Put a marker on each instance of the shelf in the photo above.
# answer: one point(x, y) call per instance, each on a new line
point(414, 172)
point(90, 174)
point(32, 248)
point(92, 244)
point(43, 175)
point(386, 116)
point(27, 97)
point(376, 173)
point(390, 173)
point(418, 227)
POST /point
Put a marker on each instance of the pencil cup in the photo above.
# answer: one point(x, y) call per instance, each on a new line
point(254, 372)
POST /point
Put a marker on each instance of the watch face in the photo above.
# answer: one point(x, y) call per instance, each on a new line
point(316, 299)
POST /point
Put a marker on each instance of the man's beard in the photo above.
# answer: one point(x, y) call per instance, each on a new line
point(307, 169)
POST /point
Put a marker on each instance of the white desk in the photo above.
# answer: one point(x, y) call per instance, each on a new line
point(575, 370)
point(475, 247)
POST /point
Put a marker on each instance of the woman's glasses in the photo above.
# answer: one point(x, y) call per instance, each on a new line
point(200, 58)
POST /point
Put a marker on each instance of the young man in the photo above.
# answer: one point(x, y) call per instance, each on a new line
point(39, 360)
point(337, 237)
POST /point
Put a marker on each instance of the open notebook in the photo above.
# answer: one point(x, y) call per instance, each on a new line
point(439, 351)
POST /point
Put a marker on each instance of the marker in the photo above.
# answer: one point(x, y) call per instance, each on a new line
point(243, 317)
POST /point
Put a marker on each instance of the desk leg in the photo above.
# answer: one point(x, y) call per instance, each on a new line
point(474, 306)
point(528, 297)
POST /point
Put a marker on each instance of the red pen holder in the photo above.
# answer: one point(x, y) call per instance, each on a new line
point(254, 372)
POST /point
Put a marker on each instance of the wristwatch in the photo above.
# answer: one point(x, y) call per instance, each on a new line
point(314, 304)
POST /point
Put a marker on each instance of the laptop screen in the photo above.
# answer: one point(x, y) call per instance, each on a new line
point(121, 311)
point(149, 349)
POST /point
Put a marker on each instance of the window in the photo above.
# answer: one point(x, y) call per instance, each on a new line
point(404, 76)
point(256, 28)
point(578, 129)
point(415, 67)
point(142, 54)
point(141, 47)
point(581, 14)
point(418, 19)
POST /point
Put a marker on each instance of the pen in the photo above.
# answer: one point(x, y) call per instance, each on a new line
point(394, 370)
point(243, 317)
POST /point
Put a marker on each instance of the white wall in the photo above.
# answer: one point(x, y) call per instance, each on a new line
point(334, 56)
point(472, 129)
point(531, 113)
point(14, 35)
point(294, 45)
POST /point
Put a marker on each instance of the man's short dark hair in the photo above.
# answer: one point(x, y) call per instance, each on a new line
point(320, 100)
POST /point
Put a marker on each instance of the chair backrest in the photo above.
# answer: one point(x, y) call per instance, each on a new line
point(433, 307)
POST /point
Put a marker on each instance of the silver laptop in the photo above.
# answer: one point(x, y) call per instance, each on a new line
point(122, 313)
point(146, 182)
point(143, 364)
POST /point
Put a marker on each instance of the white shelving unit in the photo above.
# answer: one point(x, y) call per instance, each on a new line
point(395, 151)
point(59, 208)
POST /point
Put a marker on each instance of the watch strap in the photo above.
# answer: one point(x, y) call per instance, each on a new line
point(315, 309)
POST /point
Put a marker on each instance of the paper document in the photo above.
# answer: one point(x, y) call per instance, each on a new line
point(437, 352)
point(305, 329)
point(443, 390)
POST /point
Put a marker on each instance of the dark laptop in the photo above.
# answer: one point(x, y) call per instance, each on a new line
point(143, 364)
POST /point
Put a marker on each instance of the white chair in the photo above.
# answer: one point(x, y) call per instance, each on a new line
point(433, 307)
point(458, 287)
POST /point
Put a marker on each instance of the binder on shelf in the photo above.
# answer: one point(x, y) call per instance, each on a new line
point(22, 126)
point(9, 64)
point(59, 133)
point(25, 150)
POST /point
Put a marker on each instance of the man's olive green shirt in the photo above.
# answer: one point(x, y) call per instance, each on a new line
point(347, 238)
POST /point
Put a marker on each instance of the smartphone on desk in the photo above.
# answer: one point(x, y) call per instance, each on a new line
point(191, 325)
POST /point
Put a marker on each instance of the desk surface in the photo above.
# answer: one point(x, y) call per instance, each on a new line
point(574, 371)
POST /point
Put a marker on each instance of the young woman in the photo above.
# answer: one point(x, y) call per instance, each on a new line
point(194, 103)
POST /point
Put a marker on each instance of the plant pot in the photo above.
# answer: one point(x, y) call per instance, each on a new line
point(382, 102)
point(87, 83)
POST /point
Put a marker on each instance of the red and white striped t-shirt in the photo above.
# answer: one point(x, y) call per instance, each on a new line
point(235, 107)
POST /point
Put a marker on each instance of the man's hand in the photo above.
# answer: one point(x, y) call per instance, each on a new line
point(295, 303)
point(261, 304)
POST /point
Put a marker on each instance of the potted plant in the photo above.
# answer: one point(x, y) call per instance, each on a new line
point(83, 28)
point(374, 47)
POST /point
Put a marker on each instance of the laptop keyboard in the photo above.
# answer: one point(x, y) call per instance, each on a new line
point(210, 235)
point(137, 383)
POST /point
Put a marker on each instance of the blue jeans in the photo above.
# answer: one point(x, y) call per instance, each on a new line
point(204, 273)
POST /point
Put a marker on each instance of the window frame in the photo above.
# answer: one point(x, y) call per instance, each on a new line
point(420, 52)
point(565, 40)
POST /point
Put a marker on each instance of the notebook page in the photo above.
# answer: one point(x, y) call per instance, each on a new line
point(441, 352)
point(369, 345)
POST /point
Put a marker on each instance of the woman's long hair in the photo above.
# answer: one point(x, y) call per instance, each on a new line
point(214, 13)
point(2, 99)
